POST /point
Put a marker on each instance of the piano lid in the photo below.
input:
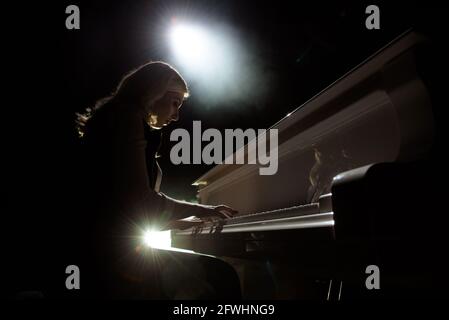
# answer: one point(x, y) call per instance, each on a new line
point(378, 112)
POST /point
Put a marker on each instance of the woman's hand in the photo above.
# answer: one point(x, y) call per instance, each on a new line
point(182, 224)
point(220, 211)
point(204, 213)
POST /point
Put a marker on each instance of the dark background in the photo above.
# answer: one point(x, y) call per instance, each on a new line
point(52, 72)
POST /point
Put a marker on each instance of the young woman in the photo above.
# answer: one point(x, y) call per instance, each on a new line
point(121, 136)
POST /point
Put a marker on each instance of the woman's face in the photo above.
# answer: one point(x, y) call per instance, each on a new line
point(165, 110)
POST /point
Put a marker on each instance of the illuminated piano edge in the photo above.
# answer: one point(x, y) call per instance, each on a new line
point(320, 220)
point(314, 215)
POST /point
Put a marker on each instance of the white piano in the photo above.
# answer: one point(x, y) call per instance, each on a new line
point(302, 233)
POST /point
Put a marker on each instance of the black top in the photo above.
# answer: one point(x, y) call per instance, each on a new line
point(154, 139)
point(117, 179)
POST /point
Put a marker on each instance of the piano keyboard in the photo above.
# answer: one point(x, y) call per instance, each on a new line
point(297, 217)
point(275, 214)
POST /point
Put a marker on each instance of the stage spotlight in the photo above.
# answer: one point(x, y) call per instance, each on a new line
point(207, 56)
point(157, 239)
point(192, 45)
point(216, 63)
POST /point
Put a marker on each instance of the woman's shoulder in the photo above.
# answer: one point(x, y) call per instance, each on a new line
point(114, 115)
point(116, 125)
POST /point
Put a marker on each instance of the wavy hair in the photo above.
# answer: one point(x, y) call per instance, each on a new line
point(143, 85)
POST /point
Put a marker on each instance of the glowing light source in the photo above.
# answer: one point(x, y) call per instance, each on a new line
point(210, 57)
point(192, 44)
point(220, 68)
point(157, 239)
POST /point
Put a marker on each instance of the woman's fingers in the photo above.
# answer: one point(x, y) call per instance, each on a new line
point(226, 211)
point(181, 225)
point(220, 211)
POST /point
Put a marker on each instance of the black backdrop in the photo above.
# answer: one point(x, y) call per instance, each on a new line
point(51, 72)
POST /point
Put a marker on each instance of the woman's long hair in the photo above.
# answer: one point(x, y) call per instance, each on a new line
point(145, 84)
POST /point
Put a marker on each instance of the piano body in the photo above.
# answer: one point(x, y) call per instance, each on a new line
point(352, 160)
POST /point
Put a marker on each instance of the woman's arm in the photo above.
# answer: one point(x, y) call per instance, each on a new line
point(182, 209)
point(131, 179)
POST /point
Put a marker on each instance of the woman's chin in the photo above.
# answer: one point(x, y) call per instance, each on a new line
point(157, 126)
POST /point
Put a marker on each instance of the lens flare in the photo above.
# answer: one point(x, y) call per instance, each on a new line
point(157, 239)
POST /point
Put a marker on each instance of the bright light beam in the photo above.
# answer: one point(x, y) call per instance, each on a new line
point(192, 45)
point(209, 56)
point(222, 67)
point(157, 239)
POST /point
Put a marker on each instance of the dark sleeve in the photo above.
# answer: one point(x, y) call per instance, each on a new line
point(132, 186)
point(135, 196)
